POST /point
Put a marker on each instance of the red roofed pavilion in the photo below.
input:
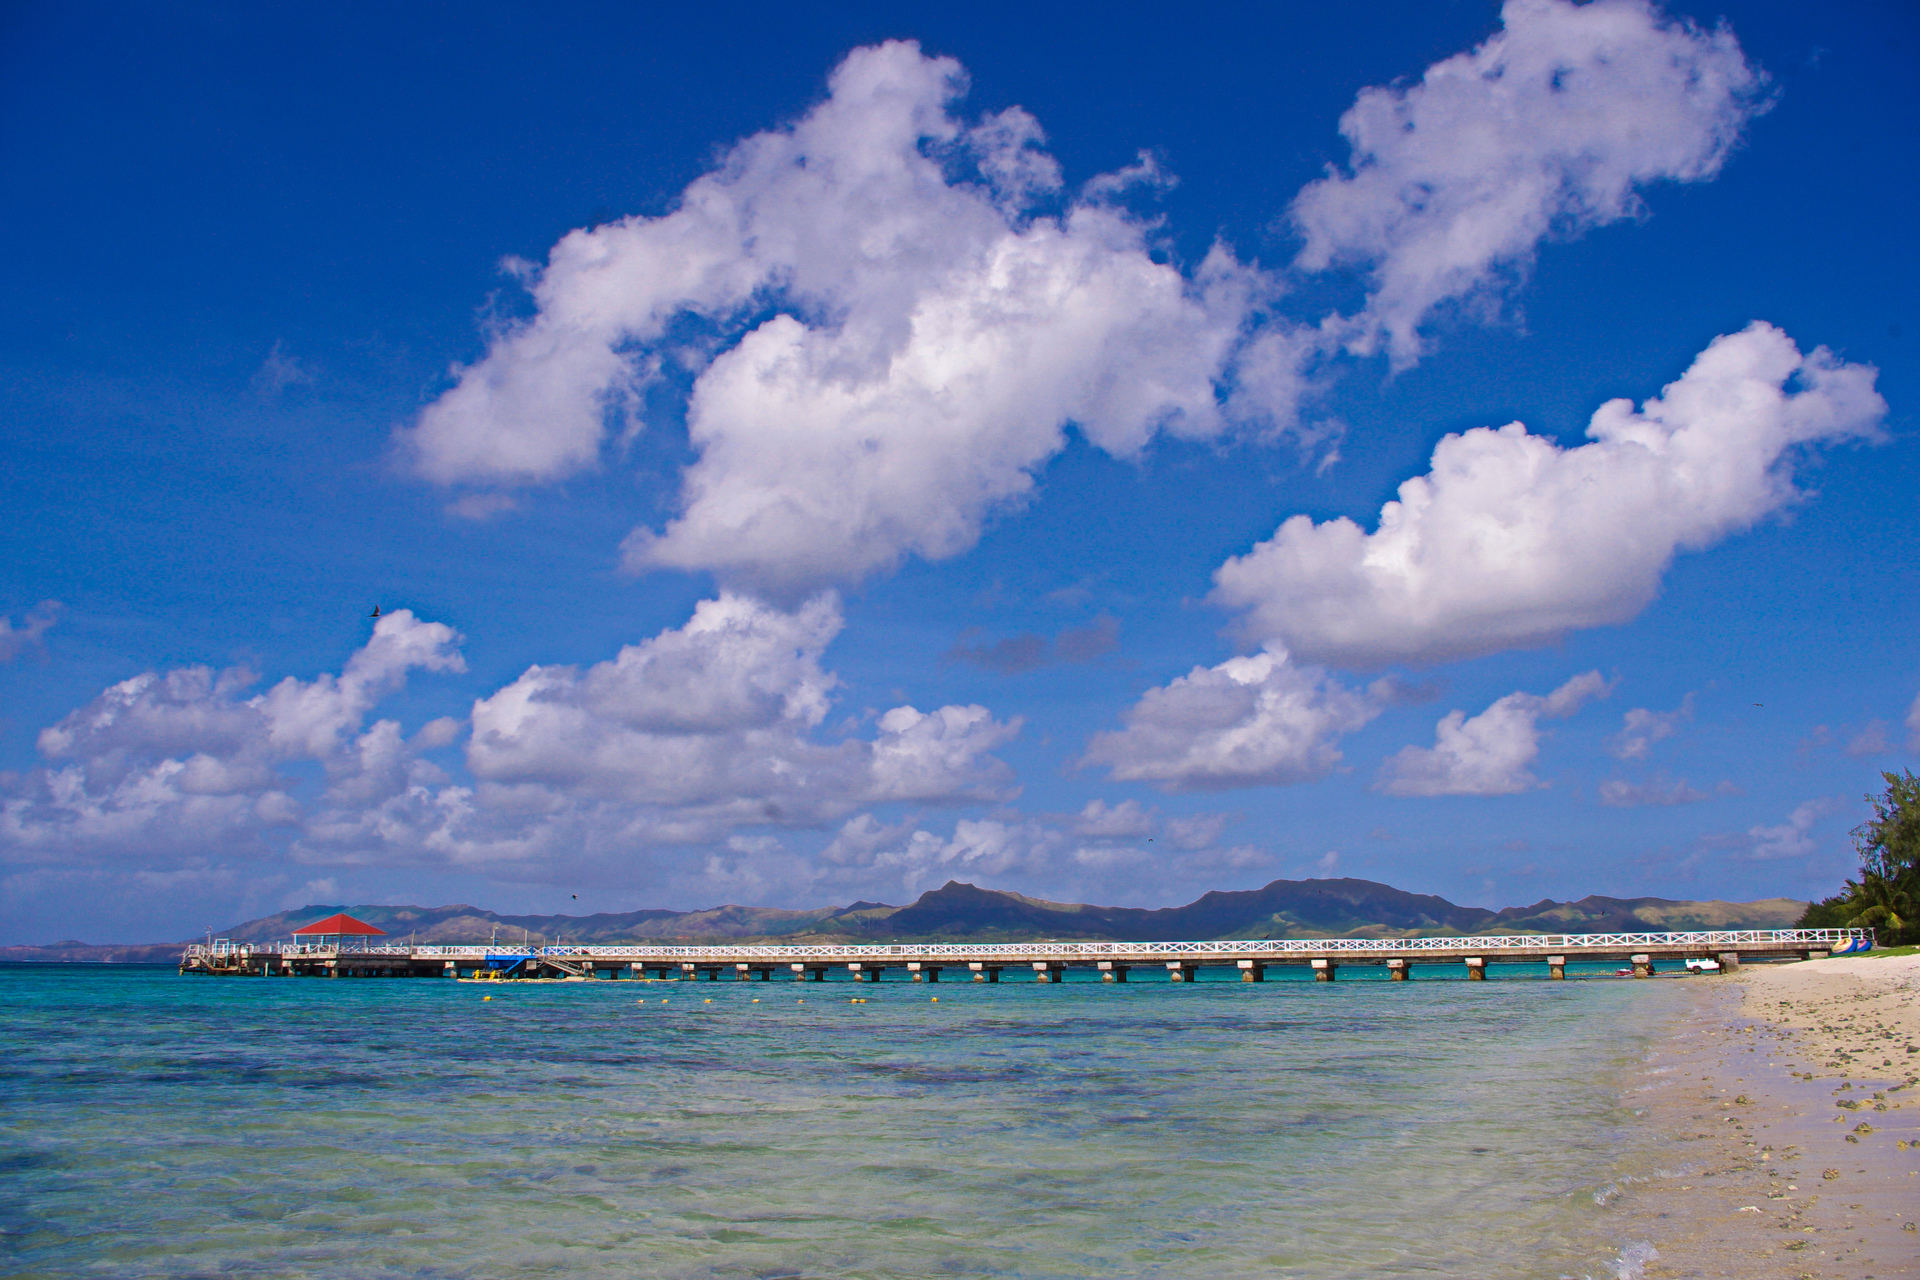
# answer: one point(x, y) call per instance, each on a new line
point(340, 925)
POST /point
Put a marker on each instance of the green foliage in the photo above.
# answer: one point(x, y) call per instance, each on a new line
point(1886, 897)
point(1890, 845)
point(1828, 913)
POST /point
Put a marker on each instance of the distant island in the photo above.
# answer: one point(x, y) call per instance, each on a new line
point(959, 912)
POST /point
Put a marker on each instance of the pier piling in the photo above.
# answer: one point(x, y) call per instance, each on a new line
point(1049, 960)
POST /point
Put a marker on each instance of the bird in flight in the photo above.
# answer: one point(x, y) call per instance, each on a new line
point(1759, 704)
point(375, 613)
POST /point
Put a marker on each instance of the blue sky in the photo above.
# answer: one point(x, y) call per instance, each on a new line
point(810, 455)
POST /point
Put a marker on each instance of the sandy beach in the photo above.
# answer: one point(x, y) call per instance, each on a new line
point(1786, 1110)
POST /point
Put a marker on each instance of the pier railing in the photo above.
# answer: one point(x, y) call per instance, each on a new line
point(1489, 945)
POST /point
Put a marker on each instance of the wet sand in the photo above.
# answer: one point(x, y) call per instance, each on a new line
point(1787, 1119)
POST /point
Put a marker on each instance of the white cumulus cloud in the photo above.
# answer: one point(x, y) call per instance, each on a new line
point(160, 765)
point(1491, 754)
point(931, 335)
point(891, 313)
point(916, 858)
point(38, 620)
point(1511, 540)
point(700, 738)
point(1618, 793)
point(1250, 721)
point(719, 715)
point(1127, 819)
point(1790, 839)
point(1551, 127)
point(1641, 728)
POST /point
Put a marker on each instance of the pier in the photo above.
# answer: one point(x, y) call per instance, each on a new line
point(1644, 954)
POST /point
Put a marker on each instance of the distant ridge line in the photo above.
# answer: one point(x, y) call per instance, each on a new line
point(960, 912)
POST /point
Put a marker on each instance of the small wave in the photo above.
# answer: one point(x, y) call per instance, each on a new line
point(1633, 1260)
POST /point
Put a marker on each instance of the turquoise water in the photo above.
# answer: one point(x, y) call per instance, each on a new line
point(160, 1125)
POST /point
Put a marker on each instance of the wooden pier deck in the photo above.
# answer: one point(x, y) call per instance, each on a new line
point(1043, 962)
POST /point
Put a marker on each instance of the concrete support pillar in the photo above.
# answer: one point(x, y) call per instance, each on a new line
point(1181, 971)
point(742, 973)
point(809, 972)
point(1476, 968)
point(333, 968)
point(1111, 972)
point(1399, 970)
point(863, 972)
point(1642, 966)
point(1323, 969)
point(1729, 961)
point(1557, 968)
point(1252, 971)
point(1047, 970)
point(984, 972)
point(450, 970)
point(923, 972)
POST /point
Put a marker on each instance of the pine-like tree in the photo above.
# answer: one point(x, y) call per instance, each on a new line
point(1886, 897)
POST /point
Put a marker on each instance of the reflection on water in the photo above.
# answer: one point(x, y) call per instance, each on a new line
point(171, 1126)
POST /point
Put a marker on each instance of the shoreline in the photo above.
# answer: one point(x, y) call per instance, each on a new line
point(1782, 1115)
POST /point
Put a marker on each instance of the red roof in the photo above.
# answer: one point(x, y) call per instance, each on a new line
point(341, 924)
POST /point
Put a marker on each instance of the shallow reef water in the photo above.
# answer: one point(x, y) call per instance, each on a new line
point(161, 1125)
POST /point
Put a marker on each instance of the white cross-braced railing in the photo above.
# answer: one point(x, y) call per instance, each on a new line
point(1015, 952)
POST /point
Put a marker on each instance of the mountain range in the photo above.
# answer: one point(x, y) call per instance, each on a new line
point(959, 912)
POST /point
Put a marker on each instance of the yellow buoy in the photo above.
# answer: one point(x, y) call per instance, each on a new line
point(936, 999)
point(756, 999)
point(706, 1002)
point(486, 997)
